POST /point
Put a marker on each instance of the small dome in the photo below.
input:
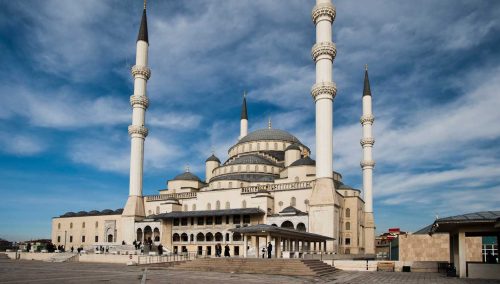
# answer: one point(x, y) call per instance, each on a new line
point(291, 210)
point(69, 214)
point(118, 211)
point(213, 158)
point(187, 176)
point(269, 134)
point(81, 213)
point(306, 161)
point(93, 212)
point(293, 146)
point(250, 159)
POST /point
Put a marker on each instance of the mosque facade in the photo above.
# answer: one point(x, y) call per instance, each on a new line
point(268, 179)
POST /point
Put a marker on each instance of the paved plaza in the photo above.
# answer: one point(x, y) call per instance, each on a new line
point(73, 272)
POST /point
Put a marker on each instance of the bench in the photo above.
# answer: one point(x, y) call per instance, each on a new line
point(385, 266)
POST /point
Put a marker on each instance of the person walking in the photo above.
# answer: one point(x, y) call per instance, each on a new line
point(226, 251)
point(160, 249)
point(269, 250)
point(264, 252)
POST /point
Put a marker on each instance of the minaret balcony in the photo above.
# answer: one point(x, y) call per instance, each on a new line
point(367, 119)
point(137, 130)
point(367, 141)
point(367, 164)
point(141, 101)
point(141, 71)
point(324, 48)
point(324, 89)
point(323, 10)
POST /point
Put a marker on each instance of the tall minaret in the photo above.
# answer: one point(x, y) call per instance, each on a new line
point(322, 203)
point(134, 209)
point(244, 117)
point(367, 164)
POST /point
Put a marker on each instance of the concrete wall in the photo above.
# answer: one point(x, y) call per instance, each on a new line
point(484, 270)
point(363, 265)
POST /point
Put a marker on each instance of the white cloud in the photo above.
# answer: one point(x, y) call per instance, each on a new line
point(21, 144)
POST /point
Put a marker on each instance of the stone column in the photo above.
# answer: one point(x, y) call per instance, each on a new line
point(245, 245)
point(462, 255)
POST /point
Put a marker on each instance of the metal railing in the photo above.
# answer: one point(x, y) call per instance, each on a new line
point(277, 187)
point(150, 259)
point(161, 197)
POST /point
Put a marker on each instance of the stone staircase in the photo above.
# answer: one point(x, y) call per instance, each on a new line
point(62, 257)
point(296, 267)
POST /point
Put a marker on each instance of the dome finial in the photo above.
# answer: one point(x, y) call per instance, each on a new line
point(269, 125)
point(366, 67)
point(187, 168)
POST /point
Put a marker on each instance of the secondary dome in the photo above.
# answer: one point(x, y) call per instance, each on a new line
point(250, 159)
point(269, 134)
point(306, 161)
point(187, 176)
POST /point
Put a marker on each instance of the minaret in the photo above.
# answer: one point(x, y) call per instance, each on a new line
point(322, 203)
point(367, 164)
point(244, 117)
point(134, 209)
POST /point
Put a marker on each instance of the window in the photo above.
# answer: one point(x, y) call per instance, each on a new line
point(96, 224)
point(301, 227)
point(347, 225)
point(306, 202)
point(227, 219)
point(288, 225)
point(218, 220)
point(265, 168)
point(210, 220)
point(237, 237)
point(194, 207)
point(246, 219)
point(58, 239)
point(348, 241)
point(59, 226)
point(184, 237)
point(192, 221)
point(218, 237)
point(176, 238)
point(217, 205)
point(201, 221)
point(228, 205)
point(157, 209)
point(70, 239)
point(227, 237)
point(296, 179)
point(200, 237)
point(244, 204)
point(209, 206)
point(186, 207)
point(83, 225)
point(230, 184)
point(96, 239)
point(348, 212)
point(176, 221)
point(191, 237)
point(209, 237)
point(184, 222)
point(149, 212)
point(236, 219)
point(71, 225)
point(267, 146)
point(83, 239)
point(293, 201)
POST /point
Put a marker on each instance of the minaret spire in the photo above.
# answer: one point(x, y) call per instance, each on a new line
point(134, 209)
point(244, 117)
point(367, 164)
point(323, 201)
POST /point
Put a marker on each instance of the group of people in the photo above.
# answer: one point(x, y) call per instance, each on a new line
point(218, 250)
point(269, 250)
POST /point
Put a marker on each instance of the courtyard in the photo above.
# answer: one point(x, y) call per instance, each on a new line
point(25, 271)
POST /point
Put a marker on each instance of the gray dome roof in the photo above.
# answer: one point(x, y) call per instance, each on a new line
point(291, 210)
point(307, 161)
point(269, 134)
point(250, 177)
point(292, 147)
point(213, 158)
point(250, 159)
point(187, 176)
point(106, 212)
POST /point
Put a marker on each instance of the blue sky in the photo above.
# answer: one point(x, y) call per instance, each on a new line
point(434, 71)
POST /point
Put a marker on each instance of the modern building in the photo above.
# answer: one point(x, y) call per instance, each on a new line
point(268, 183)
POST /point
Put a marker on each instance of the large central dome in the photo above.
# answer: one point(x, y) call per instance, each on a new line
point(269, 134)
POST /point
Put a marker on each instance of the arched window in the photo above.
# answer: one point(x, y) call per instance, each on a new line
point(248, 168)
point(59, 225)
point(228, 205)
point(83, 225)
point(280, 203)
point(209, 237)
point(293, 201)
point(296, 179)
point(230, 184)
point(274, 225)
point(267, 146)
point(217, 205)
point(306, 202)
point(139, 235)
point(244, 204)
point(200, 237)
point(258, 146)
point(265, 168)
point(194, 207)
point(157, 209)
point(176, 237)
point(184, 237)
point(239, 168)
point(209, 206)
point(288, 225)
point(256, 168)
point(236, 237)
point(148, 233)
point(301, 227)
point(348, 212)
point(96, 224)
point(218, 237)
point(186, 207)
point(348, 225)
point(275, 146)
point(250, 147)
point(149, 212)
point(71, 225)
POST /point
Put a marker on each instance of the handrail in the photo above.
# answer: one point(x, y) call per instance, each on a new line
point(160, 197)
point(149, 259)
point(277, 187)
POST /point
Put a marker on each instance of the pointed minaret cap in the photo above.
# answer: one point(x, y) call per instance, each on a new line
point(244, 114)
point(143, 30)
point(269, 124)
point(366, 88)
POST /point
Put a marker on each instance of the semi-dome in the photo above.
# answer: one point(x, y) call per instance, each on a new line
point(187, 176)
point(293, 147)
point(269, 134)
point(212, 158)
point(250, 159)
point(306, 161)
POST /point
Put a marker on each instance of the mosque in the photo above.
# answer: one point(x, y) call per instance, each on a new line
point(269, 189)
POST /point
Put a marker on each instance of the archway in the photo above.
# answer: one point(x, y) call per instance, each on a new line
point(236, 237)
point(156, 234)
point(110, 238)
point(139, 235)
point(176, 238)
point(218, 237)
point(184, 237)
point(148, 233)
point(209, 237)
point(287, 224)
point(200, 237)
point(301, 227)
